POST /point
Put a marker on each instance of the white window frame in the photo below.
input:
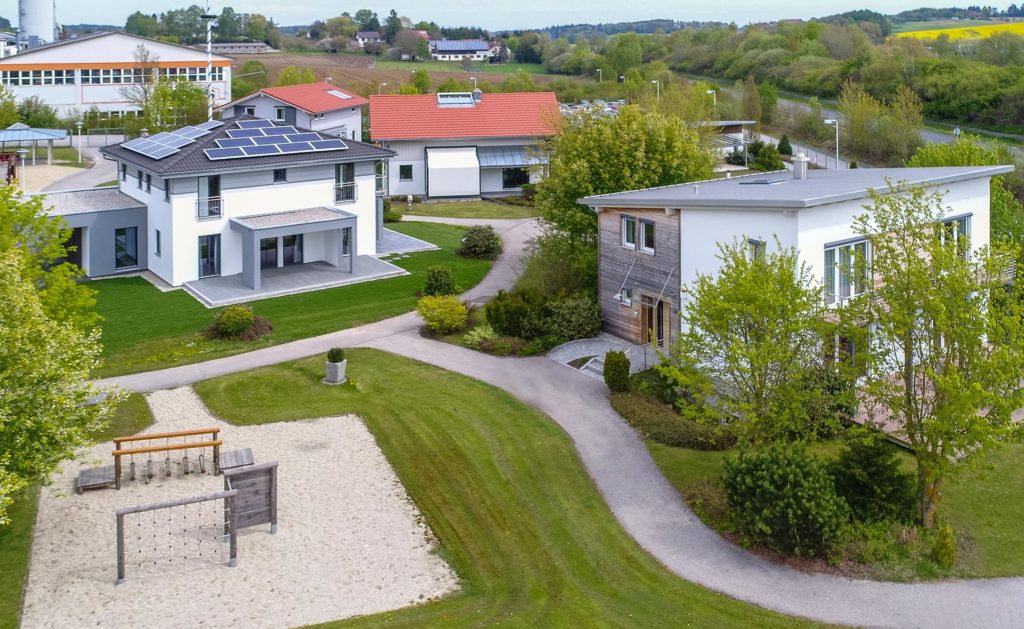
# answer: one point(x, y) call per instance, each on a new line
point(840, 260)
point(956, 222)
point(642, 236)
point(624, 232)
point(279, 114)
point(625, 296)
point(249, 111)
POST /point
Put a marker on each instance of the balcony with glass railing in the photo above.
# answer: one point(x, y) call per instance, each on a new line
point(209, 208)
point(345, 193)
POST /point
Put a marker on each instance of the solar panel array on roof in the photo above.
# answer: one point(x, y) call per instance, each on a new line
point(269, 139)
point(168, 143)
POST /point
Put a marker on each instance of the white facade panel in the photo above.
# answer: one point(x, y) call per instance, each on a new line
point(453, 172)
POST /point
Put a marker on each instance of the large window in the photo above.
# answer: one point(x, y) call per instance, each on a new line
point(405, 172)
point(647, 236)
point(344, 183)
point(629, 232)
point(846, 271)
point(209, 255)
point(126, 247)
point(280, 175)
point(957, 230)
point(514, 177)
point(37, 77)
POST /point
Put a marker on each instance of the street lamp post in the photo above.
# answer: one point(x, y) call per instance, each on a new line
point(657, 87)
point(380, 88)
point(600, 75)
point(79, 125)
point(714, 102)
point(22, 152)
point(835, 123)
point(209, 18)
point(473, 79)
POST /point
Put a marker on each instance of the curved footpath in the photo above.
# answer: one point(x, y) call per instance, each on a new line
point(633, 486)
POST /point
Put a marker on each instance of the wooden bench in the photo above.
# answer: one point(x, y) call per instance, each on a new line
point(94, 478)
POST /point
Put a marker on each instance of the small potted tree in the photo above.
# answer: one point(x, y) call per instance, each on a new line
point(335, 366)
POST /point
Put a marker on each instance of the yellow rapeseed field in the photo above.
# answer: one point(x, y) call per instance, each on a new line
point(968, 32)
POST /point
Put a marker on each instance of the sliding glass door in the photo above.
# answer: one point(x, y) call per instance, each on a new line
point(209, 255)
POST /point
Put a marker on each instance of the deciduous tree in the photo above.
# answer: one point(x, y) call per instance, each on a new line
point(752, 338)
point(946, 357)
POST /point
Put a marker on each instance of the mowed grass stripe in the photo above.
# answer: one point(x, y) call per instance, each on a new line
point(500, 484)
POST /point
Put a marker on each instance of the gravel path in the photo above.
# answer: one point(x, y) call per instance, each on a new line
point(350, 542)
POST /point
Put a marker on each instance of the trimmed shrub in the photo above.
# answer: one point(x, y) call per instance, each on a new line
point(392, 217)
point(767, 159)
point(785, 148)
point(443, 314)
point(868, 477)
point(518, 313)
point(478, 335)
point(335, 355)
point(573, 318)
point(659, 422)
point(616, 371)
point(529, 191)
point(944, 549)
point(440, 281)
point(480, 241)
point(784, 498)
point(234, 321)
point(502, 345)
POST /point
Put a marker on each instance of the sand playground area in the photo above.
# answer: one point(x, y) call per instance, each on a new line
point(349, 542)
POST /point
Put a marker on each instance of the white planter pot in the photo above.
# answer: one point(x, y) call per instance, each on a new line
point(335, 372)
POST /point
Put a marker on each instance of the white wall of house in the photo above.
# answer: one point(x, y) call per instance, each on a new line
point(248, 194)
point(413, 153)
point(116, 51)
point(347, 122)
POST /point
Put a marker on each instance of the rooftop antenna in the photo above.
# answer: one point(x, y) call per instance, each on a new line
point(209, 18)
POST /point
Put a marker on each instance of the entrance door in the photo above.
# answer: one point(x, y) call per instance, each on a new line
point(292, 249)
point(268, 253)
point(209, 255)
point(652, 320)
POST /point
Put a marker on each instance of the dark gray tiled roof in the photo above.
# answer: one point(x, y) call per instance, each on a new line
point(192, 160)
point(781, 190)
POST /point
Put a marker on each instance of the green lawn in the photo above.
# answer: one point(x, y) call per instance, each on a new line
point(467, 209)
point(145, 329)
point(982, 504)
point(500, 485)
point(131, 416)
point(105, 184)
point(65, 155)
point(456, 66)
point(15, 544)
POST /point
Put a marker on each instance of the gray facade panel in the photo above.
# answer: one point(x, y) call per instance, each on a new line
point(312, 173)
point(98, 238)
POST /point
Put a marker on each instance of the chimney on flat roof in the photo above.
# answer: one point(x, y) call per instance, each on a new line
point(144, 133)
point(800, 166)
point(477, 95)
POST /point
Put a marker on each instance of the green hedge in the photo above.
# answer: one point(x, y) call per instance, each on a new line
point(659, 422)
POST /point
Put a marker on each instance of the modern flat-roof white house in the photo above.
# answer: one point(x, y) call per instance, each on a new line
point(94, 70)
point(234, 210)
point(469, 144)
point(315, 106)
point(655, 242)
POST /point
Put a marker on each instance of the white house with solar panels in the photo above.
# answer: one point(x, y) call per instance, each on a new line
point(234, 211)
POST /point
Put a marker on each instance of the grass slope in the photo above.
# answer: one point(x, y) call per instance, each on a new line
point(982, 504)
point(467, 209)
point(500, 485)
point(456, 66)
point(146, 329)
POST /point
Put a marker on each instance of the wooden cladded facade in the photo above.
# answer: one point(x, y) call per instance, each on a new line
point(652, 280)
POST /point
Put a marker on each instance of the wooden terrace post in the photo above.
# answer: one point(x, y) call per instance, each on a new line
point(232, 529)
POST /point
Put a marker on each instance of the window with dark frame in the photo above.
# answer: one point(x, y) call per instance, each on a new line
point(167, 190)
point(250, 111)
point(124, 171)
point(757, 249)
point(156, 242)
point(280, 175)
point(149, 182)
point(279, 114)
point(126, 247)
point(139, 173)
point(514, 178)
point(405, 172)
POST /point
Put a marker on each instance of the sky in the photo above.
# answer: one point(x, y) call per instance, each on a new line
point(490, 15)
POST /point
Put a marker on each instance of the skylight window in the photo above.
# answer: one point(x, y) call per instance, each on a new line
point(455, 99)
point(341, 95)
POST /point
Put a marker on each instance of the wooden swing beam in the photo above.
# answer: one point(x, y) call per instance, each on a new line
point(214, 442)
